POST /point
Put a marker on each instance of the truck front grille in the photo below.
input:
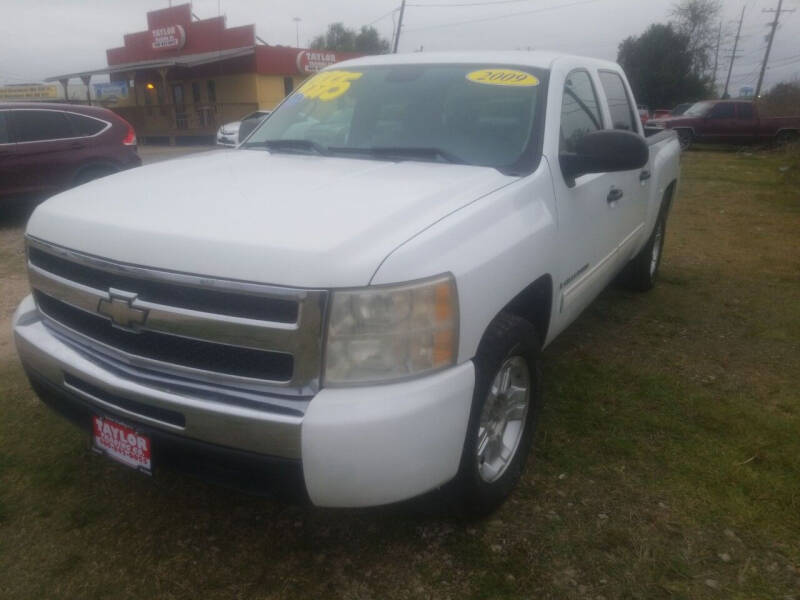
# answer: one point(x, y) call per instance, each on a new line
point(219, 332)
point(196, 354)
point(214, 301)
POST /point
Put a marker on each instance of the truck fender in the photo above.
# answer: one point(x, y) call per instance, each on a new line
point(499, 248)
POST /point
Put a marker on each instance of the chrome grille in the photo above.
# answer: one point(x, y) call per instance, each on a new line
point(230, 333)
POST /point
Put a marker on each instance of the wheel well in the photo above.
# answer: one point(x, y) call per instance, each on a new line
point(669, 195)
point(534, 304)
point(107, 167)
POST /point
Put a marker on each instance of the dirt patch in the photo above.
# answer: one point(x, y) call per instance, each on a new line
point(13, 279)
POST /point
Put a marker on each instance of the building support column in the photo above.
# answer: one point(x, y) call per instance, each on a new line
point(86, 79)
point(167, 100)
point(65, 84)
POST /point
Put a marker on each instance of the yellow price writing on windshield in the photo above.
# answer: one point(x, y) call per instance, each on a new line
point(509, 77)
point(329, 85)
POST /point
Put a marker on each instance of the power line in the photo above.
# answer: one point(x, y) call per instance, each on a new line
point(506, 16)
point(381, 17)
point(467, 4)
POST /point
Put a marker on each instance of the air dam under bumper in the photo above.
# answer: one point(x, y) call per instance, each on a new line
point(359, 446)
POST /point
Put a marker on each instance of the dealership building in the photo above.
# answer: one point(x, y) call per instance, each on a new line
point(183, 77)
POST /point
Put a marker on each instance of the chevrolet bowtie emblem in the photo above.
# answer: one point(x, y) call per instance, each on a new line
point(119, 308)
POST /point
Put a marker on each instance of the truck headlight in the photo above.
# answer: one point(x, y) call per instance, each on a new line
point(385, 333)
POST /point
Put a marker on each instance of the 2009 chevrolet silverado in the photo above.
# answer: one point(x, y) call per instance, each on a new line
point(362, 290)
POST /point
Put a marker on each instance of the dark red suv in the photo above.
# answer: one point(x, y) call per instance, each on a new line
point(45, 148)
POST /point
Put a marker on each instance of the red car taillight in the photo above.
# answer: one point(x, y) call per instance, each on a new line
point(130, 135)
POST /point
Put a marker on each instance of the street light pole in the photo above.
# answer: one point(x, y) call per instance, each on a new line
point(297, 29)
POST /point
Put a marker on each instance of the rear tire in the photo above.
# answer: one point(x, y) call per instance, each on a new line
point(784, 138)
point(505, 409)
point(642, 271)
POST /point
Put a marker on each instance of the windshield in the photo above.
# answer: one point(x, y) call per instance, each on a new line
point(467, 114)
point(698, 109)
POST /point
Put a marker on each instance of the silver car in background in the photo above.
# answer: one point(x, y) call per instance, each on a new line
point(230, 134)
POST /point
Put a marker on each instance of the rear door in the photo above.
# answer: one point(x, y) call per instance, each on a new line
point(47, 151)
point(630, 209)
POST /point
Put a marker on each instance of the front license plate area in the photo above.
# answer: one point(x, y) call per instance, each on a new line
point(121, 443)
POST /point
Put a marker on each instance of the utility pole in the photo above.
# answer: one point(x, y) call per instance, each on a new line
point(774, 25)
point(716, 57)
point(733, 56)
point(399, 26)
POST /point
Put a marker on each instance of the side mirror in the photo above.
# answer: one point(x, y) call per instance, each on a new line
point(605, 151)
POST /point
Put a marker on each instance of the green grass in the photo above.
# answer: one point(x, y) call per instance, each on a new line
point(667, 463)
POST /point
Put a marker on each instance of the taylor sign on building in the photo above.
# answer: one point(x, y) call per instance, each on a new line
point(310, 61)
point(172, 37)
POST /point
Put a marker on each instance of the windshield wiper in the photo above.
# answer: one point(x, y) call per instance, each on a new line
point(401, 152)
point(290, 145)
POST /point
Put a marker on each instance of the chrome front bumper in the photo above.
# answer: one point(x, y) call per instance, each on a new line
point(50, 357)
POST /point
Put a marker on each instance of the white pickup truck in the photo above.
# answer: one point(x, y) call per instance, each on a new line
point(359, 294)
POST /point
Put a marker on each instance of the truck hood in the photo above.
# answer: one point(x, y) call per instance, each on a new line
point(295, 220)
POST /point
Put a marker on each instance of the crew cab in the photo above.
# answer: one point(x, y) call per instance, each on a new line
point(367, 307)
point(729, 122)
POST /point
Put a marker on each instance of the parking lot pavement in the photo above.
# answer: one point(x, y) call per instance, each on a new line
point(153, 154)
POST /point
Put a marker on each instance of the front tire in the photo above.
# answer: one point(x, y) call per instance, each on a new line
point(505, 409)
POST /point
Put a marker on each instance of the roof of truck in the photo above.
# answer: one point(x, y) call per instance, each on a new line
point(541, 59)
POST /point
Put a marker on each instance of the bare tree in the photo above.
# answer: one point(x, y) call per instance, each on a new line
point(698, 20)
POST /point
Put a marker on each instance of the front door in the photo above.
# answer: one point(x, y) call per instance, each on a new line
point(587, 211)
point(720, 123)
point(179, 103)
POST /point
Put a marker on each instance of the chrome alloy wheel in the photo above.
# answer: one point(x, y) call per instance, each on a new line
point(656, 252)
point(502, 421)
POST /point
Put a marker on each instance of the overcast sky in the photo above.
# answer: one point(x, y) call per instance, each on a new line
point(41, 38)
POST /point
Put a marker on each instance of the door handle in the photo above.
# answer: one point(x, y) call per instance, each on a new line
point(76, 145)
point(644, 175)
point(614, 195)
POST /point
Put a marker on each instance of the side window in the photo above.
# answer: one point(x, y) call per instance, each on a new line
point(580, 111)
point(196, 92)
point(619, 104)
point(4, 139)
point(85, 126)
point(724, 110)
point(746, 111)
point(37, 125)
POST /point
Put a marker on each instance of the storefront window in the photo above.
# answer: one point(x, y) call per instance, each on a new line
point(288, 85)
point(196, 92)
point(212, 91)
